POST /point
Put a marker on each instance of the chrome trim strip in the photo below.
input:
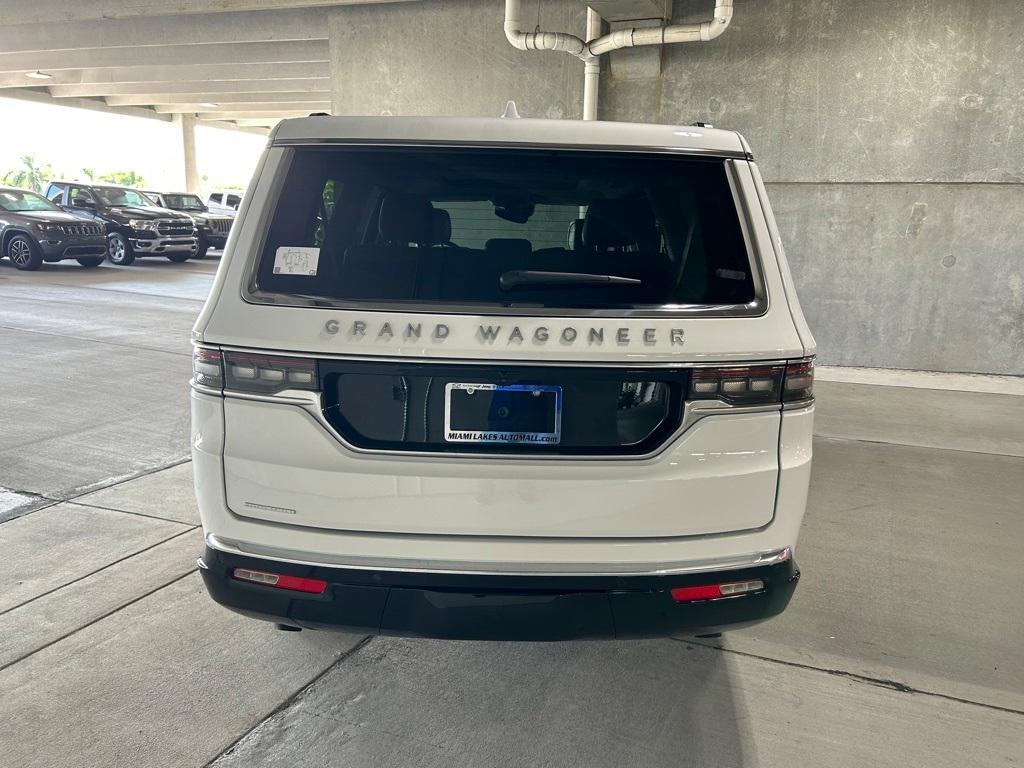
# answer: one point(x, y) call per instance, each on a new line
point(312, 404)
point(280, 554)
point(490, 361)
point(758, 307)
point(570, 147)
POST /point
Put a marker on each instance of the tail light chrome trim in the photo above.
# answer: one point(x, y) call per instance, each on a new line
point(311, 401)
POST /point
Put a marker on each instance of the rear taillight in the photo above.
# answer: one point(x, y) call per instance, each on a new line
point(253, 372)
point(755, 384)
point(206, 367)
point(799, 381)
point(738, 385)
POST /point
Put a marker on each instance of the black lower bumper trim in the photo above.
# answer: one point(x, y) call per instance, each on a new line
point(493, 607)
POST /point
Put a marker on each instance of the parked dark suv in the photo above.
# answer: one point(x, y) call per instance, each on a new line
point(34, 230)
point(135, 227)
point(212, 228)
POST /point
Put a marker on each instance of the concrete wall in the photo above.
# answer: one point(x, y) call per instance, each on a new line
point(890, 135)
point(449, 58)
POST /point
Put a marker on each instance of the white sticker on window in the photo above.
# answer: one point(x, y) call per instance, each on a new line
point(295, 260)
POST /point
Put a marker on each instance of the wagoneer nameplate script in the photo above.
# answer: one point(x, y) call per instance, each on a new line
point(503, 413)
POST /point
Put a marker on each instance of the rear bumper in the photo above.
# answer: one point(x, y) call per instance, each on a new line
point(496, 607)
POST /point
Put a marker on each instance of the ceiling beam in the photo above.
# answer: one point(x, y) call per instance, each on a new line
point(41, 97)
point(305, 85)
point(22, 12)
point(228, 27)
point(226, 53)
point(256, 114)
point(158, 100)
point(249, 107)
point(171, 73)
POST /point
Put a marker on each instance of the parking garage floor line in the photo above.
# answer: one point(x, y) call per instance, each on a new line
point(105, 567)
point(95, 341)
point(101, 617)
point(100, 485)
point(878, 682)
point(365, 641)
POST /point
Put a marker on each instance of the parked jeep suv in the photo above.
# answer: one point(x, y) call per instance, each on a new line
point(34, 230)
point(134, 226)
point(503, 379)
point(226, 203)
point(212, 229)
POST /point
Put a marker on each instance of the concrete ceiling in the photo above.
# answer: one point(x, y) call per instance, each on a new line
point(241, 64)
point(246, 67)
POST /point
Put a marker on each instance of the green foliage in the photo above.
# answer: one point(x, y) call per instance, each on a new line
point(123, 178)
point(32, 174)
point(89, 173)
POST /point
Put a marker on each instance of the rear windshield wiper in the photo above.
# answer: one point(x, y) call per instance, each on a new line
point(517, 278)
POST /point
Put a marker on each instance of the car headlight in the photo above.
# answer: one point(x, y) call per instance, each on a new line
point(144, 224)
point(47, 227)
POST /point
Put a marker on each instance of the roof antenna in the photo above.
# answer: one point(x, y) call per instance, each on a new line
point(510, 111)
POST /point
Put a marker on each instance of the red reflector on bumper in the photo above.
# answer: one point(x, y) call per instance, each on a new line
point(715, 591)
point(281, 581)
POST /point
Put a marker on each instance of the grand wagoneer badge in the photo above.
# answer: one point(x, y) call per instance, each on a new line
point(510, 334)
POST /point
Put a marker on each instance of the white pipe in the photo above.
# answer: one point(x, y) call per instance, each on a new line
point(591, 69)
point(673, 33)
point(539, 41)
point(590, 51)
point(622, 38)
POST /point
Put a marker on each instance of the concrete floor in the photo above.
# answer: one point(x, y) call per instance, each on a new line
point(902, 647)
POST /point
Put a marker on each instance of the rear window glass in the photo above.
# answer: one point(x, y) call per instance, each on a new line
point(506, 228)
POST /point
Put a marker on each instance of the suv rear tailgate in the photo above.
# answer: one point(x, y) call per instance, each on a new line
point(719, 476)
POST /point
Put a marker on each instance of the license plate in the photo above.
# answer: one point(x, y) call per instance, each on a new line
point(526, 414)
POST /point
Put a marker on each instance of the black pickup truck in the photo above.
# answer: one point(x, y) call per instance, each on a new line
point(135, 227)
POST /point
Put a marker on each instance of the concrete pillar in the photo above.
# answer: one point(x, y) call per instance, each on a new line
point(188, 147)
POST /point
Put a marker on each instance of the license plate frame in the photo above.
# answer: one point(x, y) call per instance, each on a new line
point(454, 433)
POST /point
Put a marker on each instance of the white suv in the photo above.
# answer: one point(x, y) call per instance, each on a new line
point(518, 379)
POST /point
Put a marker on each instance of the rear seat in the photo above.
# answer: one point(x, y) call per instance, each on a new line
point(391, 267)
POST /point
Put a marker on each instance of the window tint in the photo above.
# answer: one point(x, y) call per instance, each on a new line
point(509, 228)
point(114, 196)
point(80, 192)
point(14, 200)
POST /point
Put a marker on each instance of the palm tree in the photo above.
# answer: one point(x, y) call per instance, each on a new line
point(31, 175)
point(124, 178)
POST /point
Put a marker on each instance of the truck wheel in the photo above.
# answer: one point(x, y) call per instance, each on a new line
point(90, 261)
point(23, 253)
point(177, 258)
point(204, 246)
point(119, 250)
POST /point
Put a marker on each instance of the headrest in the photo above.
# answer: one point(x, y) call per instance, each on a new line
point(612, 224)
point(508, 248)
point(405, 219)
point(441, 226)
point(575, 235)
